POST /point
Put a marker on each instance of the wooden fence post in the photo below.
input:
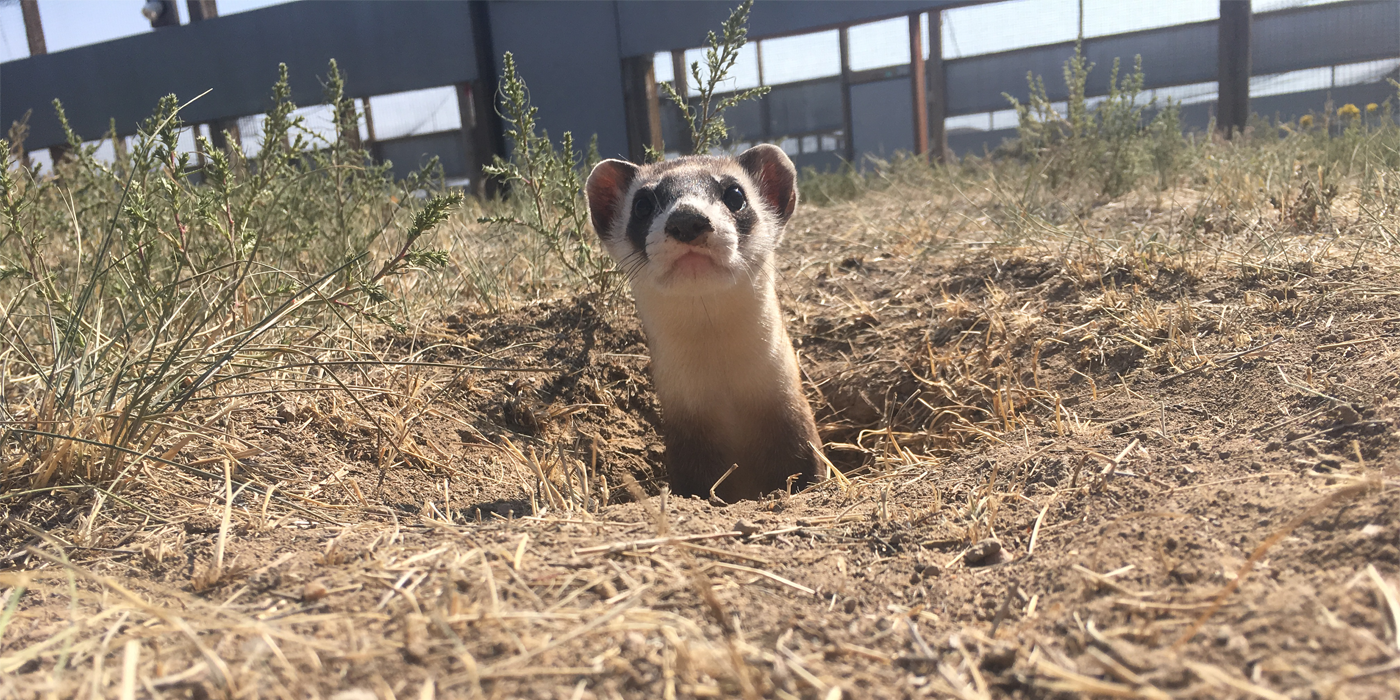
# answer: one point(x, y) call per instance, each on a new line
point(919, 83)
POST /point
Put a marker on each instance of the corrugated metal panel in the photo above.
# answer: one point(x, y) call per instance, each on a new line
point(673, 127)
point(381, 48)
point(567, 53)
point(822, 162)
point(882, 117)
point(797, 108)
point(978, 143)
point(745, 121)
point(805, 107)
point(1333, 34)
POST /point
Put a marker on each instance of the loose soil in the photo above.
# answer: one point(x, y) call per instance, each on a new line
point(1060, 479)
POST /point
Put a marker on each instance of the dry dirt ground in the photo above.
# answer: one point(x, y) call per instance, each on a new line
point(1061, 479)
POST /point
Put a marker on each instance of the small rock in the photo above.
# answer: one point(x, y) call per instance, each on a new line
point(984, 552)
point(747, 528)
point(1185, 572)
point(313, 591)
point(287, 412)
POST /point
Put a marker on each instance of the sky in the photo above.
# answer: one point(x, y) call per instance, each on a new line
point(72, 23)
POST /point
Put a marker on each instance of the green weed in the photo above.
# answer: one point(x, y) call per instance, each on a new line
point(133, 290)
point(705, 116)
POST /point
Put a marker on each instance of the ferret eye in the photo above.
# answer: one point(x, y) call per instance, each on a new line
point(734, 198)
point(642, 206)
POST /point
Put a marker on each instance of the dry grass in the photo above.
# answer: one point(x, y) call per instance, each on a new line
point(1132, 448)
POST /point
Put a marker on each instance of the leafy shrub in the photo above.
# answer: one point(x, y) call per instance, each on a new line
point(135, 289)
point(1111, 144)
point(545, 186)
point(705, 116)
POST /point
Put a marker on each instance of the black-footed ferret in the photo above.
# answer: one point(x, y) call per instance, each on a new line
point(696, 238)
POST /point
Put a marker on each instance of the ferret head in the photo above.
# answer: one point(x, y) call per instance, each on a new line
point(695, 225)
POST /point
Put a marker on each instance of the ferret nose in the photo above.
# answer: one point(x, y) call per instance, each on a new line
point(686, 225)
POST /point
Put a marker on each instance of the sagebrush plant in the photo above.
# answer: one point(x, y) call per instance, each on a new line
point(545, 185)
point(135, 287)
point(705, 116)
point(1114, 142)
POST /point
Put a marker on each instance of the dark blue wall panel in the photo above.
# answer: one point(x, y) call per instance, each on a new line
point(566, 51)
point(410, 153)
point(882, 117)
point(382, 47)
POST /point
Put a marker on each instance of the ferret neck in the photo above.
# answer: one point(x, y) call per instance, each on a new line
point(741, 315)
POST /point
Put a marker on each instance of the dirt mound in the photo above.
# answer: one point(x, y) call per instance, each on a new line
point(1053, 477)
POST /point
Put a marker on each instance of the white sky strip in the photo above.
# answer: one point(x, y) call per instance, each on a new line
point(415, 112)
point(72, 23)
point(880, 44)
point(803, 57)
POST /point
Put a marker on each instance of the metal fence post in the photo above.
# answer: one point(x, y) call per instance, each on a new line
point(200, 10)
point(937, 88)
point(1232, 100)
point(847, 120)
point(488, 132)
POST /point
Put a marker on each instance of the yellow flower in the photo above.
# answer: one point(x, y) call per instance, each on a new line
point(1372, 107)
point(1348, 111)
point(1306, 121)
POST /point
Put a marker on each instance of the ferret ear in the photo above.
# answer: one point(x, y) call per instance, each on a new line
point(607, 187)
point(775, 176)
